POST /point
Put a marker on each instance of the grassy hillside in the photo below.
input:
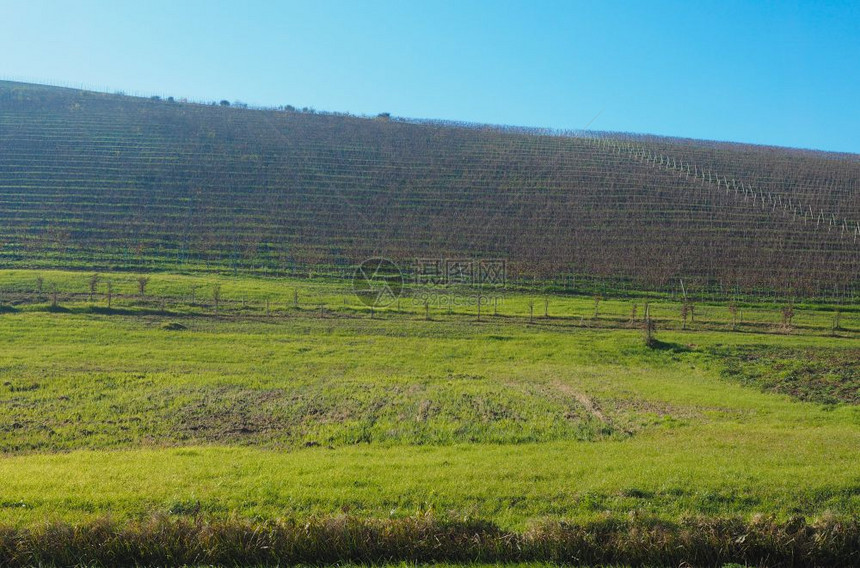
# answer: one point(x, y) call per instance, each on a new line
point(167, 427)
point(108, 181)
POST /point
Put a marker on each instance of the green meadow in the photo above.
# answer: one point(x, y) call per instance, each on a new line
point(144, 407)
point(312, 406)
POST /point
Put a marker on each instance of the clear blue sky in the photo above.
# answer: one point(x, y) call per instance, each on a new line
point(784, 73)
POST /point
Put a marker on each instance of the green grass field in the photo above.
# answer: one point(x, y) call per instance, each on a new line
point(164, 406)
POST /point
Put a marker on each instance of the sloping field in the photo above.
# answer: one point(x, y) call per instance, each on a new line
point(166, 430)
point(97, 180)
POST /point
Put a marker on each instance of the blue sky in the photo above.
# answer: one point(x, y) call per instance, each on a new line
point(783, 73)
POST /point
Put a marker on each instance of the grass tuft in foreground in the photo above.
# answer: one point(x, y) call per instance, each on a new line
point(635, 541)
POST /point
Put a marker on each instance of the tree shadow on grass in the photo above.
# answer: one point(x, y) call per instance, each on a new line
point(669, 346)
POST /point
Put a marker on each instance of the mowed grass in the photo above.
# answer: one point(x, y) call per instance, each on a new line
point(710, 471)
point(319, 413)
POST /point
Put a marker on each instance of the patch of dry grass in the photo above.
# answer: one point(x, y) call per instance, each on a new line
point(334, 540)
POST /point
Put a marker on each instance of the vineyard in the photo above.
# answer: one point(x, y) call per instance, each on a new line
point(111, 182)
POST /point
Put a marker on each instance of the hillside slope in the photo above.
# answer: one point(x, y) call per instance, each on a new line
point(98, 180)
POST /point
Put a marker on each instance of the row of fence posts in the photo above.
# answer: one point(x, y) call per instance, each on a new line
point(687, 310)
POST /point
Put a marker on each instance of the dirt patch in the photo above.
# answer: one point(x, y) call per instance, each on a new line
point(821, 375)
point(587, 403)
point(231, 414)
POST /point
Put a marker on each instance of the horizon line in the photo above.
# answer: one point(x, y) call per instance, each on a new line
point(447, 122)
